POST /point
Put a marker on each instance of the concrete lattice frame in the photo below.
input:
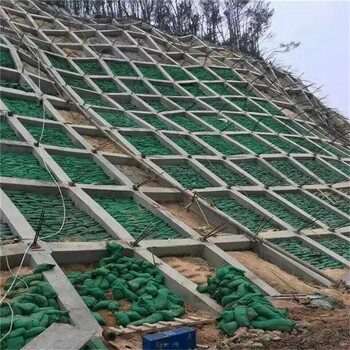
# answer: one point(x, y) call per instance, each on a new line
point(141, 46)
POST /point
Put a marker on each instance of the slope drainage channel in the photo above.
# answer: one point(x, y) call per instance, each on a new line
point(186, 175)
point(82, 170)
point(282, 281)
point(245, 216)
point(22, 165)
point(78, 225)
point(310, 255)
point(136, 219)
point(35, 306)
point(315, 209)
point(148, 145)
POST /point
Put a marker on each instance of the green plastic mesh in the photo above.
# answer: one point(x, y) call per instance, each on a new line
point(25, 108)
point(194, 89)
point(6, 132)
point(315, 209)
point(248, 123)
point(22, 165)
point(166, 90)
point(229, 176)
point(189, 146)
point(188, 105)
point(340, 166)
point(51, 136)
point(60, 63)
point(274, 124)
point(177, 73)
point(246, 105)
point(136, 219)
point(16, 86)
point(151, 72)
point(122, 69)
point(94, 101)
point(156, 122)
point(336, 200)
point(223, 146)
point(245, 216)
point(264, 175)
point(82, 170)
point(283, 144)
point(308, 254)
point(78, 225)
point(336, 244)
point(186, 175)
point(306, 144)
point(128, 106)
point(226, 73)
point(245, 90)
point(220, 105)
point(187, 122)
point(107, 85)
point(253, 144)
point(201, 73)
point(119, 120)
point(219, 88)
point(76, 82)
point(269, 107)
point(148, 145)
point(6, 59)
point(91, 67)
point(220, 123)
point(158, 105)
point(333, 150)
point(137, 86)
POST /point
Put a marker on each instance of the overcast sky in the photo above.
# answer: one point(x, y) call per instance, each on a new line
point(322, 27)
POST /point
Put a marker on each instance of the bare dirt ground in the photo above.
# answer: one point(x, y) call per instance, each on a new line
point(103, 144)
point(194, 268)
point(137, 175)
point(190, 218)
point(4, 275)
point(72, 117)
point(72, 52)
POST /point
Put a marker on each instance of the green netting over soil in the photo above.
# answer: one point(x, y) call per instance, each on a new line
point(186, 175)
point(189, 105)
point(16, 86)
point(187, 122)
point(245, 216)
point(83, 170)
point(6, 59)
point(107, 85)
point(334, 199)
point(136, 219)
point(129, 106)
point(244, 304)
point(277, 209)
point(253, 144)
point(51, 136)
point(95, 101)
point(78, 225)
point(122, 69)
point(119, 279)
point(91, 67)
point(333, 150)
point(336, 244)
point(189, 146)
point(274, 124)
point(283, 144)
point(61, 63)
point(229, 176)
point(226, 73)
point(166, 90)
point(35, 308)
point(308, 254)
point(315, 209)
point(248, 123)
point(5, 233)
point(118, 120)
point(22, 165)
point(25, 108)
point(306, 144)
point(137, 86)
point(158, 105)
point(2, 41)
point(246, 105)
point(148, 145)
point(220, 105)
point(220, 123)
point(269, 107)
point(156, 122)
point(322, 171)
point(290, 170)
point(295, 125)
point(151, 72)
point(223, 146)
point(77, 82)
point(219, 88)
point(264, 175)
point(194, 89)
point(245, 90)
point(344, 168)
point(6, 132)
point(201, 73)
point(177, 73)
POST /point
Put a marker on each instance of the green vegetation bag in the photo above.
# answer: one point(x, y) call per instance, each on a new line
point(101, 321)
point(44, 267)
point(275, 324)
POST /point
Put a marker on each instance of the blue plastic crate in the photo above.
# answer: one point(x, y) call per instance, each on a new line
point(178, 339)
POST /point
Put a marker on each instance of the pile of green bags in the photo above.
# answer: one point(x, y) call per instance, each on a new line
point(244, 305)
point(34, 309)
point(132, 279)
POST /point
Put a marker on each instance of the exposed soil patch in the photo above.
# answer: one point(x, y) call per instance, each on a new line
point(73, 52)
point(4, 275)
point(44, 24)
point(272, 274)
point(34, 70)
point(194, 268)
point(338, 274)
point(72, 117)
point(103, 144)
point(137, 175)
point(190, 218)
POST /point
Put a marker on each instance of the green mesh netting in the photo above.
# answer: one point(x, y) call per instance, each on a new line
point(219, 88)
point(187, 122)
point(22, 165)
point(119, 120)
point(158, 105)
point(166, 90)
point(189, 146)
point(60, 63)
point(6, 59)
point(244, 304)
point(16, 86)
point(91, 67)
point(177, 73)
point(148, 145)
point(226, 73)
point(336, 244)
point(201, 73)
point(253, 144)
point(25, 108)
point(220, 105)
point(248, 123)
point(283, 144)
point(128, 106)
point(223, 146)
point(137, 86)
point(336, 200)
point(194, 89)
point(122, 69)
point(306, 144)
point(156, 122)
point(246, 105)
point(274, 124)
point(94, 101)
point(344, 168)
point(6, 132)
point(151, 72)
point(188, 105)
point(78, 225)
point(136, 219)
point(245, 90)
point(269, 107)
point(82, 170)
point(220, 123)
point(229, 176)
point(77, 82)
point(107, 85)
